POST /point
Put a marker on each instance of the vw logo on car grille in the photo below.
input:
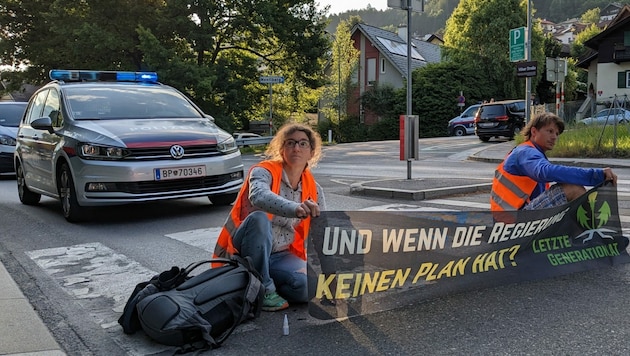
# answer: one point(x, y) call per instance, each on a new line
point(177, 151)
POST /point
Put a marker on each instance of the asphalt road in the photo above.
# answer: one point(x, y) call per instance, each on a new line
point(578, 314)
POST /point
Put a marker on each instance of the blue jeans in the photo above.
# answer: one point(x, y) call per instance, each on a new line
point(281, 271)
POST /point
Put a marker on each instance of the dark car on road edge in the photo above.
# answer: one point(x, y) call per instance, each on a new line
point(500, 119)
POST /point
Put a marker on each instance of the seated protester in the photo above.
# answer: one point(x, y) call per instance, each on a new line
point(522, 180)
point(271, 217)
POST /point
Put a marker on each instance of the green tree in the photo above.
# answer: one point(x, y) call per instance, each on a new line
point(95, 35)
point(577, 47)
point(477, 33)
point(579, 50)
point(591, 16)
point(344, 62)
point(213, 50)
point(436, 88)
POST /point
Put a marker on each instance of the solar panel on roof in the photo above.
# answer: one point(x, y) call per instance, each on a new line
point(399, 48)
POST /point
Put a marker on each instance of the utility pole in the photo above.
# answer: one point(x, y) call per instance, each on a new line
point(528, 57)
point(411, 123)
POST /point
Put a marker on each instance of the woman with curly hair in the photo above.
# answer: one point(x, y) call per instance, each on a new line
point(271, 217)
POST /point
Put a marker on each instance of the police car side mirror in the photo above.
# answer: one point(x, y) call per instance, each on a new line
point(43, 123)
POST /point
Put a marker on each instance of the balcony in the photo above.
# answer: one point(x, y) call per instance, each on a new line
point(621, 53)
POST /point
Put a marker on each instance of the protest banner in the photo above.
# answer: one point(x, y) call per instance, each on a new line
point(361, 262)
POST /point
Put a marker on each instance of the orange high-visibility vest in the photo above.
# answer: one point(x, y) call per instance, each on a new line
point(510, 191)
point(225, 247)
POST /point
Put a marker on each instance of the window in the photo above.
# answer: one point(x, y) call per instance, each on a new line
point(52, 109)
point(36, 106)
point(623, 79)
point(371, 71)
point(382, 65)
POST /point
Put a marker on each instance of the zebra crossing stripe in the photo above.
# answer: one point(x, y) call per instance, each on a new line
point(101, 281)
point(204, 239)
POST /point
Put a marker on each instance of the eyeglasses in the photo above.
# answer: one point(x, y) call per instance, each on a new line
point(293, 143)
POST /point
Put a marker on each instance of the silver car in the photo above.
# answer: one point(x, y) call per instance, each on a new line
point(608, 117)
point(11, 113)
point(109, 138)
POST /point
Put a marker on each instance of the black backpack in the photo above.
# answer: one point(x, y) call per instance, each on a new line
point(197, 312)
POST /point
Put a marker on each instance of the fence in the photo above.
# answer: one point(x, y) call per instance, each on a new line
point(611, 128)
point(568, 112)
point(614, 122)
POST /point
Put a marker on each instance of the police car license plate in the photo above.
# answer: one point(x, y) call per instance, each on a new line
point(179, 172)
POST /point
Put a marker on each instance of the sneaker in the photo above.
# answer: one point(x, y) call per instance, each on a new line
point(274, 302)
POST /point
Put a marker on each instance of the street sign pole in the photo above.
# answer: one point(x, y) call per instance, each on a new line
point(271, 80)
point(408, 128)
point(418, 6)
point(520, 49)
point(528, 57)
point(270, 109)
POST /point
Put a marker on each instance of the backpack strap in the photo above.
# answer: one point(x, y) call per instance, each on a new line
point(252, 296)
point(129, 318)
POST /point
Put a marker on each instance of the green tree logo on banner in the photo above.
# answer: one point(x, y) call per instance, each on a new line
point(594, 219)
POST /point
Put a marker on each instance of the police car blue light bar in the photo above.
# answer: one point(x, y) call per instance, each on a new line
point(92, 75)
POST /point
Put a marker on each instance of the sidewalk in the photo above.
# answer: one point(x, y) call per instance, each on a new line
point(22, 332)
point(433, 188)
point(21, 329)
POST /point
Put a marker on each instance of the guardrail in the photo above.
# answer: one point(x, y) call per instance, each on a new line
point(252, 141)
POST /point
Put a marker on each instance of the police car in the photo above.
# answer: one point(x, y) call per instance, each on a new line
point(97, 138)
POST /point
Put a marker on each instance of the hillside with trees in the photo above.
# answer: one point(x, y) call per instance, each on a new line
point(437, 12)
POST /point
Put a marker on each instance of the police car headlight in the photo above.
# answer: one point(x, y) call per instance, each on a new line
point(90, 151)
point(227, 146)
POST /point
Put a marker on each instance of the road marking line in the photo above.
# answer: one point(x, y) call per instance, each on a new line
point(204, 239)
point(484, 206)
point(402, 207)
point(93, 271)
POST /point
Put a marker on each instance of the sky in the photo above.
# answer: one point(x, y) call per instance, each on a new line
point(337, 6)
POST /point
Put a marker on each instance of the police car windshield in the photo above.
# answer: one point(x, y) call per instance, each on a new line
point(127, 102)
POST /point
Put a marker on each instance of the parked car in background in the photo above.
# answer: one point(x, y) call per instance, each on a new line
point(246, 139)
point(240, 135)
point(500, 119)
point(11, 113)
point(608, 117)
point(464, 124)
point(91, 138)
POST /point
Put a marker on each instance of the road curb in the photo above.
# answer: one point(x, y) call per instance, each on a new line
point(401, 192)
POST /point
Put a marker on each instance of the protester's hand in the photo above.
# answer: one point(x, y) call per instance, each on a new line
point(609, 176)
point(306, 209)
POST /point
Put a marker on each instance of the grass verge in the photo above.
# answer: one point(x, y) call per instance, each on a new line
point(591, 142)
